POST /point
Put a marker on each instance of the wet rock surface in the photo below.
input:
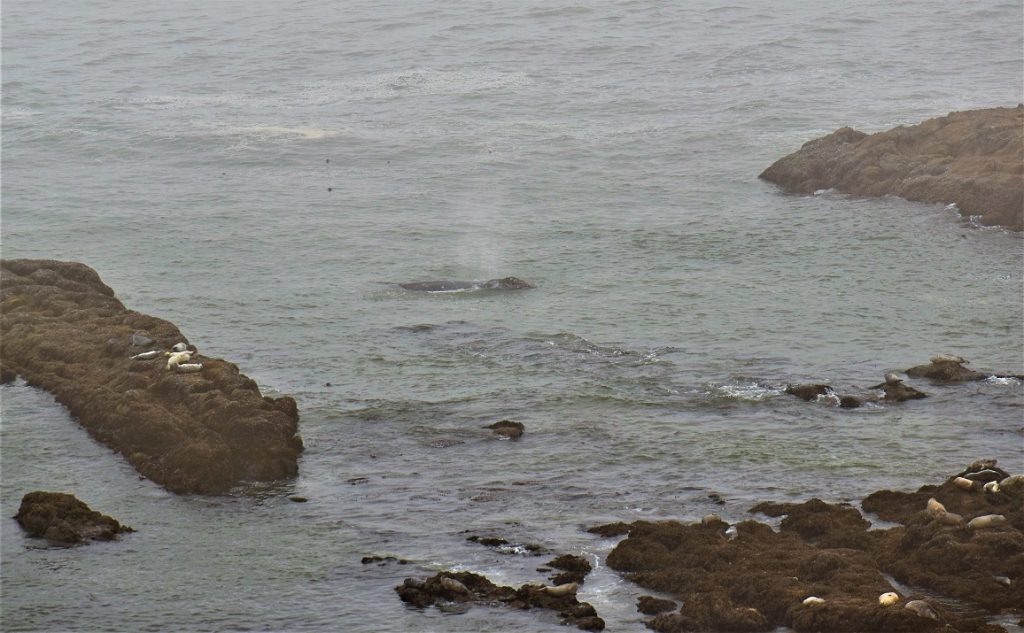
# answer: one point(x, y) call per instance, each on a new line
point(447, 588)
point(508, 429)
point(974, 159)
point(63, 519)
point(574, 569)
point(951, 369)
point(63, 330)
point(825, 570)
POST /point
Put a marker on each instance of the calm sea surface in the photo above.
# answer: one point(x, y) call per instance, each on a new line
point(255, 172)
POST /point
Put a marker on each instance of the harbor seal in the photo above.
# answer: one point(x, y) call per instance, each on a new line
point(505, 283)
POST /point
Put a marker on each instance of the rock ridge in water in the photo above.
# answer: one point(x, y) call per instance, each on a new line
point(63, 330)
point(974, 159)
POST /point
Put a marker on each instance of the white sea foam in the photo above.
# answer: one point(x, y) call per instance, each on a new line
point(280, 130)
point(1008, 380)
point(752, 392)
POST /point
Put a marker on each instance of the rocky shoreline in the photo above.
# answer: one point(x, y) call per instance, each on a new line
point(201, 427)
point(959, 550)
point(953, 561)
point(973, 159)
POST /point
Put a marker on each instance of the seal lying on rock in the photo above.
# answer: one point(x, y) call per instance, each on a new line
point(896, 391)
point(505, 283)
point(949, 368)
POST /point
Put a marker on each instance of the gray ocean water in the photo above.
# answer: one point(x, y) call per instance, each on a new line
point(253, 172)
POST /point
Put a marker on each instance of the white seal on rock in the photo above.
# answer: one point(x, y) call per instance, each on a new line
point(813, 601)
point(888, 598)
point(150, 355)
point(176, 358)
point(935, 506)
point(562, 590)
point(179, 347)
point(948, 358)
point(964, 483)
point(188, 368)
point(992, 486)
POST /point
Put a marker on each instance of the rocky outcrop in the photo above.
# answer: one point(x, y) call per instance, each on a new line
point(825, 570)
point(64, 520)
point(63, 330)
point(452, 588)
point(974, 159)
point(945, 368)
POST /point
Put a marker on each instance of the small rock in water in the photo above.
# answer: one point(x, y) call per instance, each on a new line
point(507, 429)
point(298, 499)
point(64, 520)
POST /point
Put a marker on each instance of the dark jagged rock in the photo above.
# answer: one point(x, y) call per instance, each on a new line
point(649, 605)
point(974, 159)
point(849, 402)
point(610, 530)
point(820, 523)
point(808, 392)
point(62, 519)
point(823, 570)
point(63, 330)
point(464, 587)
point(574, 569)
point(507, 428)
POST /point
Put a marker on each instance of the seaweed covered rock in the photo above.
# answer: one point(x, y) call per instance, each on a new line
point(974, 159)
point(758, 581)
point(963, 538)
point(461, 587)
point(574, 569)
point(63, 519)
point(204, 431)
point(825, 570)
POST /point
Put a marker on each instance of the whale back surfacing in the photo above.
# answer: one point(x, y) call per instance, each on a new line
point(506, 283)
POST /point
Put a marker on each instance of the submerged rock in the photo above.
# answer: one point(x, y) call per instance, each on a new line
point(464, 587)
point(973, 159)
point(809, 391)
point(65, 520)
point(63, 330)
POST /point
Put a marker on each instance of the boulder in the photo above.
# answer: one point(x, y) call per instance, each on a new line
point(63, 330)
point(974, 159)
point(64, 520)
